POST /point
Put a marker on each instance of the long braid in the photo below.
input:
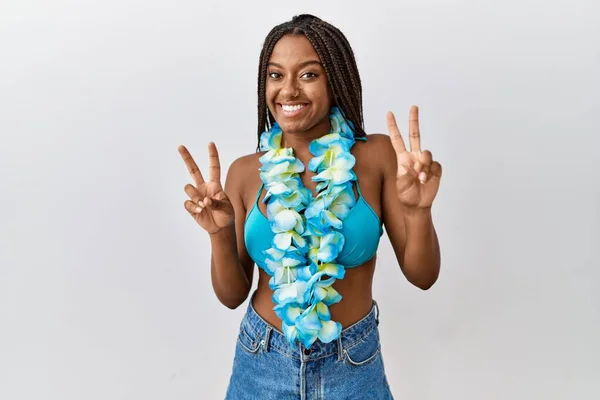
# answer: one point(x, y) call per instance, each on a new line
point(345, 91)
point(349, 62)
point(263, 110)
point(338, 60)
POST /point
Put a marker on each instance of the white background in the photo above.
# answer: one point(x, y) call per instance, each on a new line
point(104, 278)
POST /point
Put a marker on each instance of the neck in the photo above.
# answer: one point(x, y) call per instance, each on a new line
point(299, 141)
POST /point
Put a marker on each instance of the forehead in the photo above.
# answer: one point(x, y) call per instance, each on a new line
point(293, 49)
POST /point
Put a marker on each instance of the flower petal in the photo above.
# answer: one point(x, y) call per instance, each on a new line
point(323, 311)
point(332, 219)
point(308, 337)
point(336, 271)
point(284, 221)
point(274, 254)
point(330, 331)
point(288, 313)
point(332, 296)
point(290, 332)
point(282, 241)
point(309, 320)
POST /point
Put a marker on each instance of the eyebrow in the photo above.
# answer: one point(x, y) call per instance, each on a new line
point(301, 65)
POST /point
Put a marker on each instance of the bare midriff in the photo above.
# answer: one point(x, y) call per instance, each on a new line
point(355, 288)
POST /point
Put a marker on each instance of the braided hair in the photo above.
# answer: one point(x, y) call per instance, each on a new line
point(338, 61)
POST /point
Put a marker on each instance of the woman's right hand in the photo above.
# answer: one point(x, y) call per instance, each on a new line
point(208, 204)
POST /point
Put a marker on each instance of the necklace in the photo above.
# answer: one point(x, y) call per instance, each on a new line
point(302, 258)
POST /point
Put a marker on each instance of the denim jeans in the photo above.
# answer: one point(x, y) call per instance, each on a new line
point(266, 367)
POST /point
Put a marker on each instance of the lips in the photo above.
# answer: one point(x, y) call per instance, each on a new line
point(292, 110)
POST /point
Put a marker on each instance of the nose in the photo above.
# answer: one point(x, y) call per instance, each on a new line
point(290, 89)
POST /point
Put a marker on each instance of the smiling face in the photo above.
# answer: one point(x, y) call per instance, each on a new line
point(297, 92)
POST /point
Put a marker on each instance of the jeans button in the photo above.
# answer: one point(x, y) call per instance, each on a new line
point(306, 352)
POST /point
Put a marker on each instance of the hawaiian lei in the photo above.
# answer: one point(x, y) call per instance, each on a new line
point(302, 259)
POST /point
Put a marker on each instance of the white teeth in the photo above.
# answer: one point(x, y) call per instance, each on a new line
point(292, 108)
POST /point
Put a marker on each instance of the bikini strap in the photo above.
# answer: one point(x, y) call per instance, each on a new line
point(262, 185)
point(358, 188)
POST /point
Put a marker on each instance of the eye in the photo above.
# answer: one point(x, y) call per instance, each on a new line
point(274, 75)
point(309, 75)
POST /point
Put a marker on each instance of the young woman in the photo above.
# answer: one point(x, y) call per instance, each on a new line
point(309, 208)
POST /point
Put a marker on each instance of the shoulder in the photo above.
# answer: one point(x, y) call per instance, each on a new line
point(242, 164)
point(243, 171)
point(379, 140)
point(375, 142)
point(376, 151)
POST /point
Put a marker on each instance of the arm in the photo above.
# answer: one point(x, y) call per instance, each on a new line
point(411, 233)
point(422, 249)
point(231, 266)
point(411, 182)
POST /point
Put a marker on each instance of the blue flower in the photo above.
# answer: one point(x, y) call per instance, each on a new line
point(288, 312)
point(310, 326)
point(332, 143)
point(284, 271)
point(277, 156)
point(271, 139)
point(340, 124)
point(283, 241)
point(318, 289)
point(280, 172)
point(340, 200)
point(330, 246)
point(329, 209)
point(289, 293)
point(339, 171)
point(290, 332)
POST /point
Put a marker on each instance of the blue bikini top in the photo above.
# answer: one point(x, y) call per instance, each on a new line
point(361, 229)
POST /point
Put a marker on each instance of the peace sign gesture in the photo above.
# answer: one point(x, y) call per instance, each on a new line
point(209, 205)
point(418, 176)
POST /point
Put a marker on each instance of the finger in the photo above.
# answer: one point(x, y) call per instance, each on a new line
point(417, 166)
point(193, 193)
point(191, 165)
point(435, 171)
point(413, 129)
point(395, 135)
point(213, 203)
point(192, 207)
point(214, 166)
point(425, 159)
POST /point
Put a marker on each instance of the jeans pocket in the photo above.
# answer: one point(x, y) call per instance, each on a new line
point(364, 351)
point(248, 340)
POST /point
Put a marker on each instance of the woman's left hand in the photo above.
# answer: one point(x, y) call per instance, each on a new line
point(418, 176)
